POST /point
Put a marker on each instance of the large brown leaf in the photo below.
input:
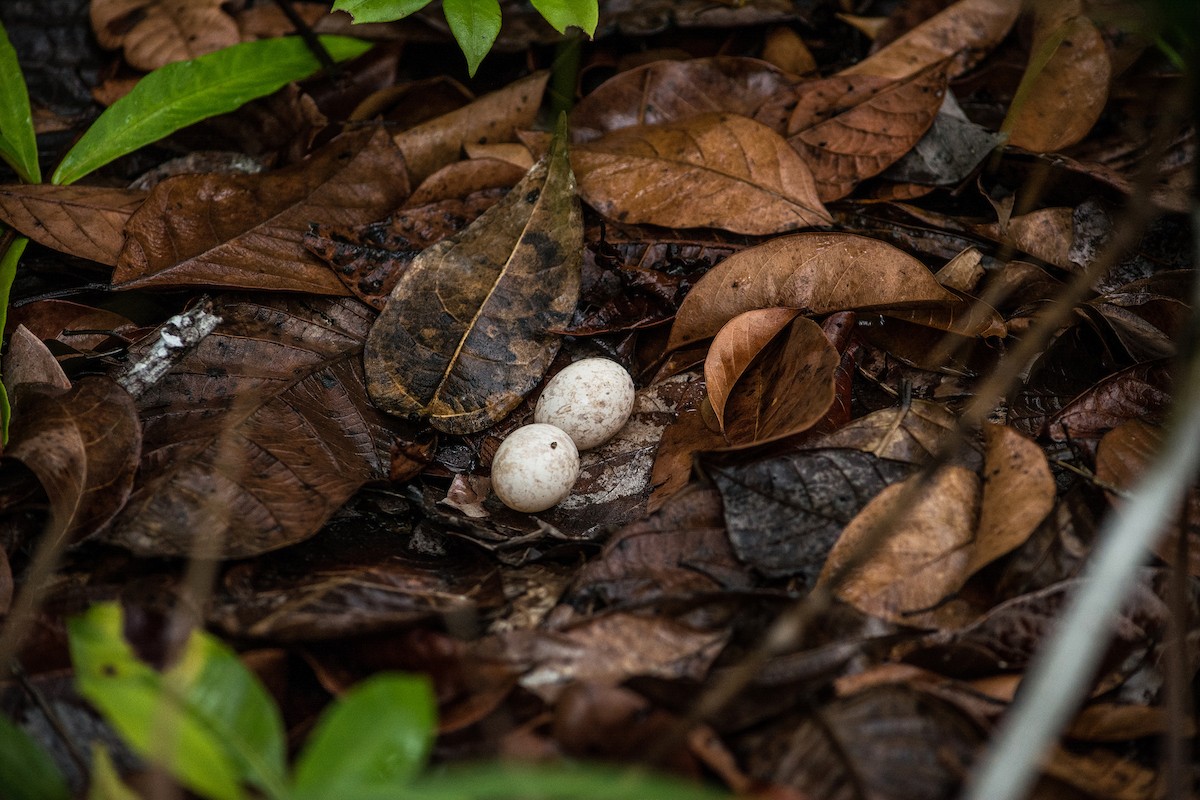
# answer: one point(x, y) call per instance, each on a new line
point(158, 32)
point(709, 171)
point(83, 445)
point(84, 221)
point(852, 127)
point(246, 231)
point(256, 437)
point(670, 91)
point(966, 30)
point(1063, 99)
point(815, 272)
point(467, 330)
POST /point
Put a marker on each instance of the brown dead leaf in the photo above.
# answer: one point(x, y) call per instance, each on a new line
point(852, 127)
point(259, 434)
point(787, 389)
point(681, 441)
point(926, 555)
point(467, 331)
point(735, 346)
point(246, 231)
point(1140, 392)
point(713, 170)
point(910, 433)
point(785, 49)
point(158, 32)
point(1065, 97)
point(1045, 234)
point(1122, 459)
point(494, 117)
point(462, 178)
point(83, 444)
point(966, 31)
point(84, 221)
point(815, 272)
point(1104, 774)
point(670, 91)
point(1018, 493)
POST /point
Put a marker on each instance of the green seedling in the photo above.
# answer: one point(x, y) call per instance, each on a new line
point(163, 102)
point(476, 23)
point(208, 721)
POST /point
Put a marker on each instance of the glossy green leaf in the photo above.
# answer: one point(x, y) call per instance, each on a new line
point(379, 10)
point(475, 25)
point(562, 14)
point(373, 741)
point(554, 782)
point(206, 719)
point(18, 144)
point(183, 93)
point(8, 273)
point(26, 770)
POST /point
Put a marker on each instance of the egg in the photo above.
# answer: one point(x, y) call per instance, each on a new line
point(591, 400)
point(535, 467)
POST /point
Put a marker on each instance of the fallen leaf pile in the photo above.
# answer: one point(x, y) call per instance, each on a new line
point(809, 276)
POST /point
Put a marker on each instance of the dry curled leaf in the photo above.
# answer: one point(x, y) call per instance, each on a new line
point(709, 171)
point(735, 346)
point(852, 127)
point(467, 331)
point(246, 231)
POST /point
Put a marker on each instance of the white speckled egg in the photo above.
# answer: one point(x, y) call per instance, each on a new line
point(535, 467)
point(590, 400)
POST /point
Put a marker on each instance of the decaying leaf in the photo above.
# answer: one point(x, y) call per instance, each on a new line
point(259, 435)
point(467, 330)
point(84, 221)
point(910, 433)
point(708, 171)
point(246, 231)
point(852, 127)
point(784, 513)
point(815, 272)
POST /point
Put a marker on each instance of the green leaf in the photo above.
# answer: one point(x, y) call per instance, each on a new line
point(105, 783)
point(183, 93)
point(379, 10)
point(26, 771)
point(475, 25)
point(496, 781)
point(8, 273)
point(562, 14)
point(18, 144)
point(374, 741)
point(206, 719)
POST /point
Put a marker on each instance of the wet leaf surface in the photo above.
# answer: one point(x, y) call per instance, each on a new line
point(467, 329)
point(258, 435)
point(246, 231)
point(784, 514)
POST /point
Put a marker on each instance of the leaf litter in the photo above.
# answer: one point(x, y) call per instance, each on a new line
point(764, 252)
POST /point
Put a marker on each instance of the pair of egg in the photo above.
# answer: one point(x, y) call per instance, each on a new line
point(581, 407)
